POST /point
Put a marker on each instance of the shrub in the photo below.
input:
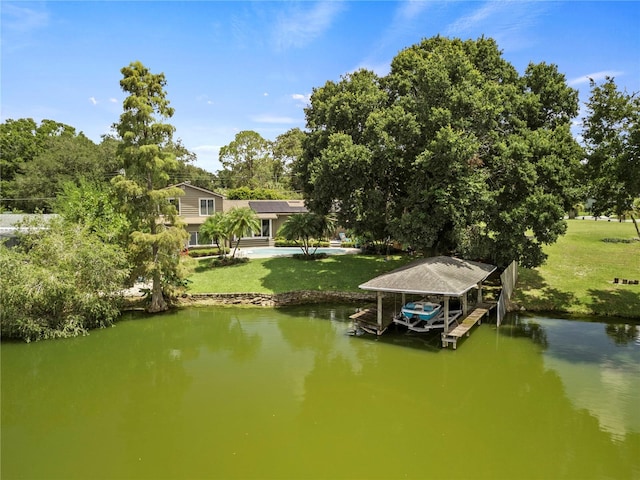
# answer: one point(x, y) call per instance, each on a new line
point(619, 240)
point(207, 252)
point(60, 282)
point(282, 242)
point(226, 261)
point(311, 256)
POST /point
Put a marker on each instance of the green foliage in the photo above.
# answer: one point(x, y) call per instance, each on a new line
point(451, 152)
point(37, 160)
point(303, 228)
point(252, 162)
point(207, 252)
point(226, 261)
point(215, 229)
point(248, 161)
point(282, 242)
point(148, 154)
point(246, 193)
point(61, 281)
point(287, 149)
point(241, 222)
point(93, 205)
point(612, 137)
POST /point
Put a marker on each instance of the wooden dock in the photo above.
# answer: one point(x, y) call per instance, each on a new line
point(463, 327)
point(367, 320)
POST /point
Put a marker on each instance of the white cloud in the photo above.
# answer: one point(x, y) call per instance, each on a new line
point(510, 23)
point(298, 27)
point(204, 99)
point(23, 19)
point(21, 24)
point(272, 119)
point(595, 76)
point(481, 14)
point(93, 100)
point(265, 94)
point(410, 10)
point(302, 99)
point(113, 100)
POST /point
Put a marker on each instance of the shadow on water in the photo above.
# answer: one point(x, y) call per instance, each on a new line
point(525, 328)
point(339, 313)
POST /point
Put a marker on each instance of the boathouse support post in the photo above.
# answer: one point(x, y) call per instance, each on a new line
point(479, 293)
point(446, 314)
point(465, 304)
point(379, 312)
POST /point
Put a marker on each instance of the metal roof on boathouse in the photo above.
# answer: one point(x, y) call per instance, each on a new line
point(441, 275)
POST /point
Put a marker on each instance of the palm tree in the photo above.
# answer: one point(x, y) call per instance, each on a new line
point(240, 223)
point(215, 229)
point(304, 227)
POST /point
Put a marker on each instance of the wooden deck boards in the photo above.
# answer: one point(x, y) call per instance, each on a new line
point(367, 319)
point(463, 328)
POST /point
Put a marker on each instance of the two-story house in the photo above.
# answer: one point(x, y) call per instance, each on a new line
point(198, 203)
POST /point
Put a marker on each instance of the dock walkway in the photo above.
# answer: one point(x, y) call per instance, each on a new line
point(463, 328)
point(367, 320)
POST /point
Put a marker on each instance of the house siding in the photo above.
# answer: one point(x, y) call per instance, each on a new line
point(189, 211)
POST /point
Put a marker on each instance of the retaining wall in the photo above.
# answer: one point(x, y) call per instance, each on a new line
point(274, 300)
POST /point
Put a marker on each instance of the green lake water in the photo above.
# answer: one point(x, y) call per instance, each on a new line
point(265, 393)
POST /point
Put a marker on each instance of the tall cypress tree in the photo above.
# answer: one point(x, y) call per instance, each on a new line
point(145, 151)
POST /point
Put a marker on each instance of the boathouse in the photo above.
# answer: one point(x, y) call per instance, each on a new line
point(443, 277)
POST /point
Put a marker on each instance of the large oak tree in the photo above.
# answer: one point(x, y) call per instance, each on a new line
point(453, 151)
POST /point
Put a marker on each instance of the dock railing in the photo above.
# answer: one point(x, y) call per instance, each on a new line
point(509, 278)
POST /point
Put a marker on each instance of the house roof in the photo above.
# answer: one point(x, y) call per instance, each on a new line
point(200, 189)
point(9, 220)
point(276, 206)
point(432, 276)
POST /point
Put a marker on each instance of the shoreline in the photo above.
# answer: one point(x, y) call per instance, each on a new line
point(310, 297)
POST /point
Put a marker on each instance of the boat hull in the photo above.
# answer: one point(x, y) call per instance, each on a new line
point(423, 311)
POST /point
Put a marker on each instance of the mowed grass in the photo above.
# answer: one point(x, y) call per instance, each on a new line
point(578, 275)
point(285, 274)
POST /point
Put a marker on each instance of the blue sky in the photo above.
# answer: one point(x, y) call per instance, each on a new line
point(233, 66)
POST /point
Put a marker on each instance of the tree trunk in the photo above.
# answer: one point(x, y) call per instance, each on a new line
point(635, 224)
point(158, 303)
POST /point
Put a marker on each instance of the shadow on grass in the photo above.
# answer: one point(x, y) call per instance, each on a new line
point(621, 302)
point(205, 265)
point(536, 294)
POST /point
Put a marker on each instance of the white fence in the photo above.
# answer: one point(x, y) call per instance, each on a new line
point(509, 279)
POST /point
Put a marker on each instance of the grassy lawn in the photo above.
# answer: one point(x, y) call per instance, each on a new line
point(285, 274)
point(578, 275)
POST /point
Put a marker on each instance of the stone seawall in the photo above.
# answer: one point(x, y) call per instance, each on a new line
point(274, 300)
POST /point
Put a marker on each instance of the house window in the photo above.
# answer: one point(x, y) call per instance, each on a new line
point(176, 203)
point(193, 238)
point(265, 229)
point(196, 239)
point(207, 206)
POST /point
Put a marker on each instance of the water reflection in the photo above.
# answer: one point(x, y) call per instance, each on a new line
point(264, 393)
point(600, 373)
